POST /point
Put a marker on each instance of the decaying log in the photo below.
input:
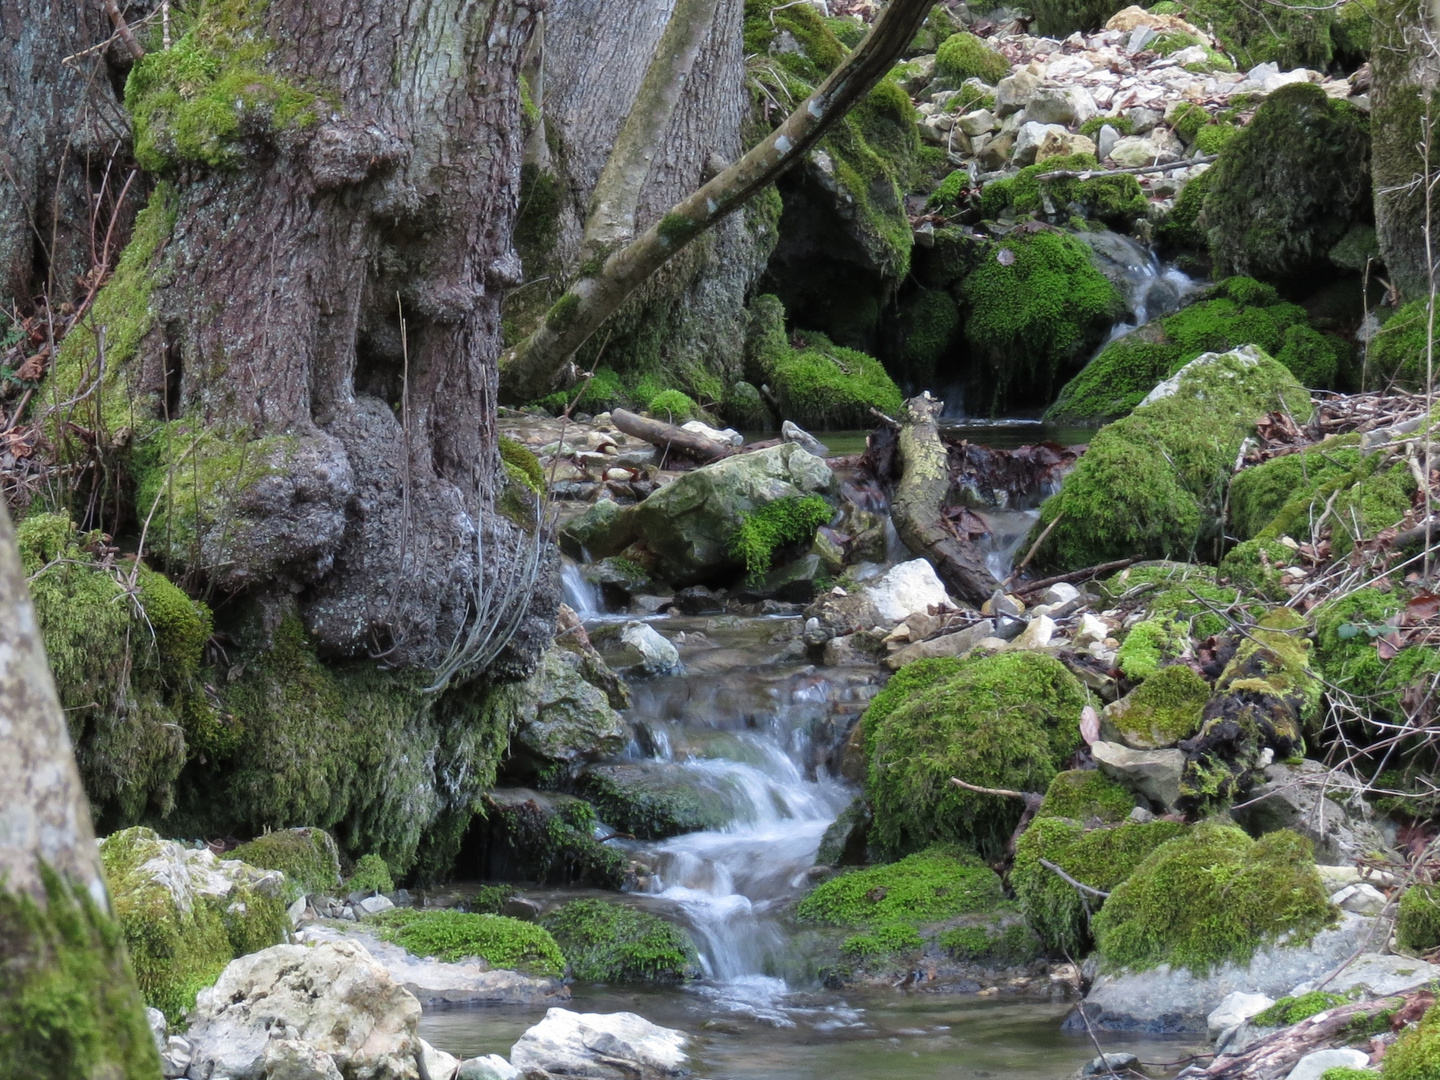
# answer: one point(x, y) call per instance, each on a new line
point(920, 497)
point(669, 437)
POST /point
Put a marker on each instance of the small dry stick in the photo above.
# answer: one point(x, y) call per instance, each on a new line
point(1033, 549)
point(123, 29)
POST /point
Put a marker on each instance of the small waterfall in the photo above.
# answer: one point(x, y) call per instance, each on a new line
point(1151, 288)
point(581, 595)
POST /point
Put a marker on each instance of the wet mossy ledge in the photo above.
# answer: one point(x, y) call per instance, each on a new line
point(618, 943)
point(452, 936)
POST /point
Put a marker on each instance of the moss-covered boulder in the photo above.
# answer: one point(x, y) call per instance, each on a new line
point(1036, 303)
point(1213, 896)
point(690, 525)
point(371, 875)
point(1117, 201)
point(307, 857)
point(1101, 858)
point(546, 838)
point(186, 914)
point(1260, 493)
point(965, 56)
point(1153, 483)
point(618, 943)
point(1417, 927)
point(1289, 186)
point(452, 936)
point(559, 720)
point(1262, 704)
point(1158, 713)
point(1416, 1054)
point(1290, 37)
point(1397, 352)
point(1346, 630)
point(652, 803)
point(1087, 796)
point(1006, 721)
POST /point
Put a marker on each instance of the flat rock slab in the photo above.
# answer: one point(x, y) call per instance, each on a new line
point(434, 982)
point(1381, 975)
point(1166, 1001)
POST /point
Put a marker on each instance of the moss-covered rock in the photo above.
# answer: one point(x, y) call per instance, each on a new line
point(1116, 201)
point(558, 720)
point(371, 875)
point(1258, 494)
point(1416, 1054)
point(965, 56)
point(69, 1006)
point(1149, 644)
point(1289, 186)
point(780, 523)
point(516, 456)
point(186, 914)
point(1061, 18)
point(549, 839)
point(1087, 796)
point(1008, 720)
point(651, 804)
point(1101, 858)
point(619, 943)
point(926, 887)
point(1292, 37)
point(452, 936)
point(1292, 1009)
point(1117, 379)
point(928, 325)
point(1213, 896)
point(1417, 928)
point(307, 857)
point(1158, 713)
point(1397, 353)
point(1153, 483)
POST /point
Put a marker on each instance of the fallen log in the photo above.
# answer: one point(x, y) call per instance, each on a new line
point(669, 437)
point(920, 497)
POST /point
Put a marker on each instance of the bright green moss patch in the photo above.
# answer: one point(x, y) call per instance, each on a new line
point(453, 936)
point(618, 943)
point(1091, 128)
point(518, 455)
point(1417, 929)
point(673, 406)
point(1115, 200)
point(1037, 300)
point(780, 522)
point(929, 322)
point(1259, 493)
point(1100, 858)
point(649, 803)
point(965, 56)
point(1087, 795)
point(1006, 721)
point(883, 941)
point(1397, 353)
point(203, 99)
point(1416, 1054)
point(371, 875)
point(1008, 947)
point(1115, 381)
point(1148, 644)
point(1210, 897)
point(926, 887)
point(1291, 1010)
point(1291, 37)
point(307, 857)
point(68, 1002)
point(1162, 710)
point(1152, 484)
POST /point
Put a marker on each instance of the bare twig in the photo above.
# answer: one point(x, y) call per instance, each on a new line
point(123, 29)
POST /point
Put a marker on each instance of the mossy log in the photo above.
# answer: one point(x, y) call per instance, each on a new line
point(669, 437)
point(919, 498)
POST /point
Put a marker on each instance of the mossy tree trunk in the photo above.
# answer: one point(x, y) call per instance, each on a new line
point(1406, 67)
point(529, 369)
point(69, 1006)
point(920, 496)
point(59, 124)
point(312, 406)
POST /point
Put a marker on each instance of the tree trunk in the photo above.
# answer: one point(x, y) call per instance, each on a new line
point(68, 1002)
point(1406, 77)
point(920, 496)
point(60, 123)
point(327, 319)
point(528, 370)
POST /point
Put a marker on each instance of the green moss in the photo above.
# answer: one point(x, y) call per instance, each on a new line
point(1397, 352)
point(1061, 18)
point(965, 56)
point(1008, 947)
point(818, 385)
point(950, 190)
point(452, 936)
point(1417, 929)
point(677, 230)
point(1291, 1010)
point(562, 312)
point(556, 843)
point(1289, 186)
point(604, 391)
point(371, 875)
point(1100, 858)
point(1259, 493)
point(1152, 484)
point(929, 886)
point(999, 721)
point(883, 941)
point(538, 225)
point(69, 1005)
point(1345, 633)
point(307, 857)
point(781, 522)
point(617, 943)
point(1213, 138)
point(1416, 1054)
point(1086, 795)
point(1091, 128)
point(516, 454)
point(1210, 897)
point(208, 98)
point(1044, 308)
point(177, 953)
point(648, 805)
point(1114, 200)
point(1164, 709)
point(928, 325)
point(1181, 231)
point(1115, 381)
point(1346, 1073)
point(1148, 644)
point(673, 406)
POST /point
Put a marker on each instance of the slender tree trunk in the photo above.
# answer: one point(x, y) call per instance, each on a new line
point(68, 1002)
point(527, 370)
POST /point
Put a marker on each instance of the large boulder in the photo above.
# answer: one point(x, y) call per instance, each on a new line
point(911, 588)
point(559, 719)
point(689, 524)
point(605, 1046)
point(335, 998)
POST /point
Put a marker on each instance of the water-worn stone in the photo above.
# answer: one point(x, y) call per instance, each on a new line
point(1176, 1001)
point(1029, 138)
point(435, 1064)
point(374, 905)
point(646, 651)
point(560, 718)
point(910, 588)
point(334, 997)
point(1234, 1010)
point(1013, 92)
point(957, 644)
point(1057, 144)
point(1106, 141)
point(489, 1067)
point(605, 1046)
point(977, 123)
point(792, 432)
point(1313, 1065)
point(726, 437)
point(1154, 773)
point(1036, 635)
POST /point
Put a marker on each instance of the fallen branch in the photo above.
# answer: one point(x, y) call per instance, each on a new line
point(1075, 575)
point(1032, 807)
point(669, 437)
point(123, 29)
point(1020, 568)
point(1063, 876)
point(1092, 174)
point(995, 791)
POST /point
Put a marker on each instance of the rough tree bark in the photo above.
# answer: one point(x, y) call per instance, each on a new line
point(920, 496)
point(68, 1001)
point(369, 444)
point(527, 370)
point(59, 124)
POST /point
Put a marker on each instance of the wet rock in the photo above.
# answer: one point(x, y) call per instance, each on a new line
point(959, 643)
point(650, 801)
point(1317, 802)
point(792, 582)
point(1313, 1065)
point(519, 907)
point(618, 579)
point(861, 649)
point(698, 600)
point(910, 588)
point(604, 1046)
point(1153, 773)
point(490, 1067)
point(1108, 1065)
point(646, 652)
point(561, 719)
point(792, 432)
point(335, 998)
point(435, 1064)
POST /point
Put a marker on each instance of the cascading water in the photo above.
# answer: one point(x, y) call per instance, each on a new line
point(581, 595)
point(1151, 288)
